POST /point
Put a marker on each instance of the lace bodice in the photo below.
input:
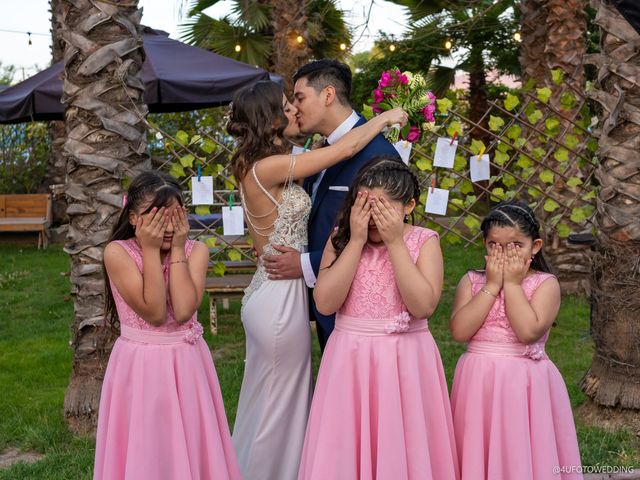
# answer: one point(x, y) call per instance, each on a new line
point(289, 228)
point(128, 316)
point(496, 327)
point(374, 293)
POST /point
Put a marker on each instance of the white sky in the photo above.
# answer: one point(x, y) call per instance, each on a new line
point(33, 16)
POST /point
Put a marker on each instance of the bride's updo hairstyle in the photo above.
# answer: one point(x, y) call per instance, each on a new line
point(256, 120)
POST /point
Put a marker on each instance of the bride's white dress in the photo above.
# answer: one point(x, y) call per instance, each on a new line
point(276, 390)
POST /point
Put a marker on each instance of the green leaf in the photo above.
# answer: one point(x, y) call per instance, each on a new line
point(234, 255)
point(472, 222)
point(543, 94)
point(466, 187)
point(578, 215)
point(571, 141)
point(503, 147)
point(219, 269)
point(187, 160)
point(495, 123)
point(476, 146)
point(509, 181)
point(367, 112)
point(210, 242)
point(519, 142)
point(533, 192)
point(550, 205)
point(498, 194)
point(499, 158)
point(537, 153)
point(454, 126)
point(459, 163)
point(592, 145)
point(561, 155)
point(194, 139)
point(203, 210)
point(563, 230)
point(447, 182)
point(452, 240)
point(444, 104)
point(470, 200)
point(511, 102)
point(524, 161)
point(567, 100)
point(551, 123)
point(424, 164)
point(182, 137)
point(547, 176)
point(177, 170)
point(209, 146)
point(589, 195)
point(514, 131)
point(557, 76)
point(574, 182)
point(535, 116)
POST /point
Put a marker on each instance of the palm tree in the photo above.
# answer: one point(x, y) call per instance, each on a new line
point(278, 35)
point(106, 142)
point(614, 377)
point(533, 37)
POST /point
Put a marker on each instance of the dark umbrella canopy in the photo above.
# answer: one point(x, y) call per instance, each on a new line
point(177, 77)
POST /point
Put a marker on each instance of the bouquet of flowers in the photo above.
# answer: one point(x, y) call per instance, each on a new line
point(408, 91)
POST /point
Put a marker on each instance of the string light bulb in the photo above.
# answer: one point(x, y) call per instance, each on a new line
point(299, 39)
point(448, 44)
point(238, 48)
point(30, 42)
point(517, 37)
point(392, 48)
point(343, 46)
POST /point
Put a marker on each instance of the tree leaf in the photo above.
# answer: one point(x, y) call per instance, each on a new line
point(466, 187)
point(219, 269)
point(447, 182)
point(537, 153)
point(177, 170)
point(589, 195)
point(194, 139)
point(444, 104)
point(182, 137)
point(187, 160)
point(547, 176)
point(424, 164)
point(476, 146)
point(543, 94)
point(500, 158)
point(472, 222)
point(498, 194)
point(524, 161)
point(571, 141)
point(203, 210)
point(535, 116)
point(234, 255)
point(574, 182)
point(550, 205)
point(567, 100)
point(551, 123)
point(209, 146)
point(563, 230)
point(459, 163)
point(211, 242)
point(454, 127)
point(557, 75)
point(533, 192)
point(511, 102)
point(561, 155)
point(514, 131)
point(495, 123)
point(509, 180)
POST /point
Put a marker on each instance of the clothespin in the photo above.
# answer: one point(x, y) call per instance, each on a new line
point(455, 134)
point(199, 171)
point(479, 157)
point(307, 143)
point(230, 201)
point(433, 184)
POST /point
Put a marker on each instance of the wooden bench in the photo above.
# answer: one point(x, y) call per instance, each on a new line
point(225, 287)
point(26, 213)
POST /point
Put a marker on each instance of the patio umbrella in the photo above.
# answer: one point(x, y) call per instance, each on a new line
point(177, 77)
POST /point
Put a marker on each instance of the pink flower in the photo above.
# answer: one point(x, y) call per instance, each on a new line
point(403, 79)
point(378, 95)
point(376, 108)
point(414, 134)
point(194, 333)
point(399, 324)
point(428, 111)
point(431, 96)
point(385, 80)
point(535, 351)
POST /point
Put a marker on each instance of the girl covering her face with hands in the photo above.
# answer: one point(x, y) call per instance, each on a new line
point(511, 410)
point(381, 407)
point(161, 411)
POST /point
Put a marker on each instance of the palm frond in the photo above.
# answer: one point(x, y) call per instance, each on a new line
point(440, 78)
point(253, 13)
point(197, 6)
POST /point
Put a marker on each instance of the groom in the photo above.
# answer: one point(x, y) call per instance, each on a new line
point(321, 95)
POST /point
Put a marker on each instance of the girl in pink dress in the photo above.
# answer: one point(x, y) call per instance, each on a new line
point(511, 410)
point(161, 412)
point(381, 408)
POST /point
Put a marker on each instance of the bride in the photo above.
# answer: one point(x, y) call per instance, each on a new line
point(276, 388)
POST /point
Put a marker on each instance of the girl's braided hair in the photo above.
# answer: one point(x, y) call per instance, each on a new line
point(385, 172)
point(511, 213)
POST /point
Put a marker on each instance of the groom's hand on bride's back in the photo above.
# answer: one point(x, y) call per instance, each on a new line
point(285, 266)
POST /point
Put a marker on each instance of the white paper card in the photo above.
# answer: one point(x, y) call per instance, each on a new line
point(445, 153)
point(202, 191)
point(479, 168)
point(232, 220)
point(296, 150)
point(437, 199)
point(404, 149)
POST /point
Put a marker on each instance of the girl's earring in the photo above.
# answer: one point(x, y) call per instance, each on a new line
point(406, 218)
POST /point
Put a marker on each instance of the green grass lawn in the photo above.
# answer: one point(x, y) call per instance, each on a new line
point(35, 362)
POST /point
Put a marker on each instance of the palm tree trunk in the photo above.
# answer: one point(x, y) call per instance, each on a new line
point(106, 142)
point(614, 377)
point(289, 23)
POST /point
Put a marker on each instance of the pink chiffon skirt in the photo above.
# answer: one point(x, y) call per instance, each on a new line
point(380, 409)
point(161, 412)
point(512, 416)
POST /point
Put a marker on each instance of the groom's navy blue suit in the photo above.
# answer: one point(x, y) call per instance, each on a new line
point(326, 205)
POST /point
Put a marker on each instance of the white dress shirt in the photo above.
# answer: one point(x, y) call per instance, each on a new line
point(337, 134)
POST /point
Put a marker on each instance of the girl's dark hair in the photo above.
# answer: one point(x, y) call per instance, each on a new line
point(511, 213)
point(149, 189)
point(386, 172)
point(256, 119)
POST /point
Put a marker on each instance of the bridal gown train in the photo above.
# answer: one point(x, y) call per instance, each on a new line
point(276, 389)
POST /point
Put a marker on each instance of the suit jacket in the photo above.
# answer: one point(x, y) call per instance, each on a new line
point(328, 202)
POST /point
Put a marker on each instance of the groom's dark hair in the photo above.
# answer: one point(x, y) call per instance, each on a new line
point(322, 73)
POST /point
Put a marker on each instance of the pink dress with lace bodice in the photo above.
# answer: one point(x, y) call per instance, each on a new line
point(511, 410)
point(381, 407)
point(161, 410)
